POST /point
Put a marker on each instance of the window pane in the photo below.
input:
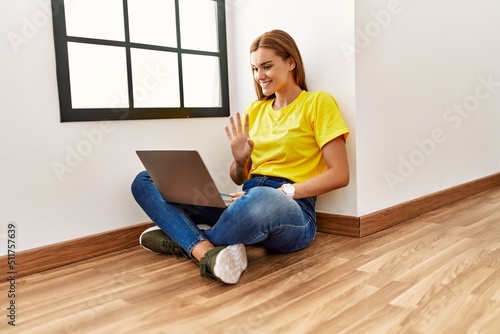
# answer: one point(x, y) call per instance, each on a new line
point(152, 22)
point(155, 76)
point(95, 19)
point(201, 76)
point(198, 21)
point(98, 76)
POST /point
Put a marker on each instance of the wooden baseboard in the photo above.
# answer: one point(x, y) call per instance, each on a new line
point(347, 226)
point(383, 219)
point(49, 257)
point(377, 221)
point(53, 256)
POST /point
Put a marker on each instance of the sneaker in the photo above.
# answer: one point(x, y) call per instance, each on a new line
point(155, 240)
point(224, 263)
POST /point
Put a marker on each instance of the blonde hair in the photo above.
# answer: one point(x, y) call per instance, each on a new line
point(285, 47)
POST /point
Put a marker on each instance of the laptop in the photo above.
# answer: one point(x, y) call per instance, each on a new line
point(182, 177)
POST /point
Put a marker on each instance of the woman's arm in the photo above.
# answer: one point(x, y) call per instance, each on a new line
point(239, 172)
point(336, 176)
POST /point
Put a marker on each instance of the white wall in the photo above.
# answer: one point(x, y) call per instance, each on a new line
point(412, 68)
point(318, 27)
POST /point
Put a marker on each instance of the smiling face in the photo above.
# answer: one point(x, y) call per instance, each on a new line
point(273, 73)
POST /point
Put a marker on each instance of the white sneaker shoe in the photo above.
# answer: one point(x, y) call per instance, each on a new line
point(225, 263)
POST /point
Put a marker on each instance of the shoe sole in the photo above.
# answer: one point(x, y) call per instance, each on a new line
point(152, 228)
point(230, 263)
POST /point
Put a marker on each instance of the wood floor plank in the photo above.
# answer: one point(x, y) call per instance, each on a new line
point(446, 307)
point(290, 301)
point(362, 309)
point(486, 322)
point(403, 259)
point(385, 241)
point(490, 287)
point(386, 320)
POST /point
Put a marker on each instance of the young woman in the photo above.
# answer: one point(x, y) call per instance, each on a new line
point(288, 147)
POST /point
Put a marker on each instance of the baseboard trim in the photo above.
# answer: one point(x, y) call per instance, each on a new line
point(44, 258)
point(53, 256)
point(348, 226)
point(383, 219)
point(353, 226)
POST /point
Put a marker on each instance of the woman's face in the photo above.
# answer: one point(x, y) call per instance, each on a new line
point(270, 71)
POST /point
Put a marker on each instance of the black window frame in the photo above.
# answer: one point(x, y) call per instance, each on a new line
point(70, 114)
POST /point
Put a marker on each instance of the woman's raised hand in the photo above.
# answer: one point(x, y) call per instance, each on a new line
point(241, 144)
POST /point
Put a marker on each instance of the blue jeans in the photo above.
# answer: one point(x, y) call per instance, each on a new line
point(262, 216)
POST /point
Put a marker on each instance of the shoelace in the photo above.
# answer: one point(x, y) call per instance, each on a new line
point(205, 269)
point(175, 249)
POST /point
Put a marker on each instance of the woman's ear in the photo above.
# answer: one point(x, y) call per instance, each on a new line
point(291, 64)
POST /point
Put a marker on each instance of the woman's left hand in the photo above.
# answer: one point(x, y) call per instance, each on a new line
point(238, 135)
point(236, 195)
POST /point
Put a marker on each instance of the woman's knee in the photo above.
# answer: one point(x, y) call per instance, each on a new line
point(268, 195)
point(139, 182)
point(266, 201)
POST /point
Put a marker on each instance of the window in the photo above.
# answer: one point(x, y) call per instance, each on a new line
point(140, 59)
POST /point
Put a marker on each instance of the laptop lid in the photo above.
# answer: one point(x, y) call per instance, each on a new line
point(182, 177)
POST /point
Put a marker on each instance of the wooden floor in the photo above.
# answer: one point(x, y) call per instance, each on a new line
point(439, 273)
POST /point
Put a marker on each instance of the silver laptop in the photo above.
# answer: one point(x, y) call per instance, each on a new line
point(182, 177)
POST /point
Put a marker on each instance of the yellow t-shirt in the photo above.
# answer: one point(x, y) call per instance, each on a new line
point(288, 141)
